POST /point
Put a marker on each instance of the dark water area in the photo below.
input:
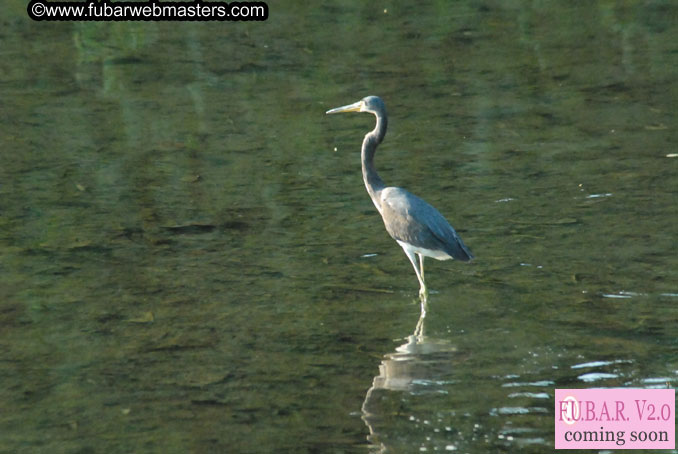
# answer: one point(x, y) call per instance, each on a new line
point(189, 261)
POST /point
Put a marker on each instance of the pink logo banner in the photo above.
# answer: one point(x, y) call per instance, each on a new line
point(621, 418)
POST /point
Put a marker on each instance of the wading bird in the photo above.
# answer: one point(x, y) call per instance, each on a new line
point(416, 225)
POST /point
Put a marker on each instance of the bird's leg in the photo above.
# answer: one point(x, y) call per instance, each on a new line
point(423, 295)
point(423, 291)
point(419, 330)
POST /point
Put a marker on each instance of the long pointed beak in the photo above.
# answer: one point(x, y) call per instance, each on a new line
point(355, 107)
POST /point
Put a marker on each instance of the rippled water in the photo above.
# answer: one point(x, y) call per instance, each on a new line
point(190, 262)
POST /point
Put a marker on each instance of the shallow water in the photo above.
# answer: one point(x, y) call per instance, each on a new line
point(190, 262)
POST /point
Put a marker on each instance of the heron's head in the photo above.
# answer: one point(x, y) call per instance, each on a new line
point(371, 104)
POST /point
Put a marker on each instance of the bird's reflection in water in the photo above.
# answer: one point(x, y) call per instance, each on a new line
point(421, 365)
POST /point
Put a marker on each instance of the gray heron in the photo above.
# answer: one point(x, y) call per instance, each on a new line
point(416, 225)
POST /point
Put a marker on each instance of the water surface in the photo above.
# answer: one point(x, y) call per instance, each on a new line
point(190, 262)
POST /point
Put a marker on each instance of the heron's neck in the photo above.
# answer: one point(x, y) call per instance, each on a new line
point(373, 181)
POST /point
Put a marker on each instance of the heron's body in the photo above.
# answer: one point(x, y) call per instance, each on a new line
point(416, 225)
